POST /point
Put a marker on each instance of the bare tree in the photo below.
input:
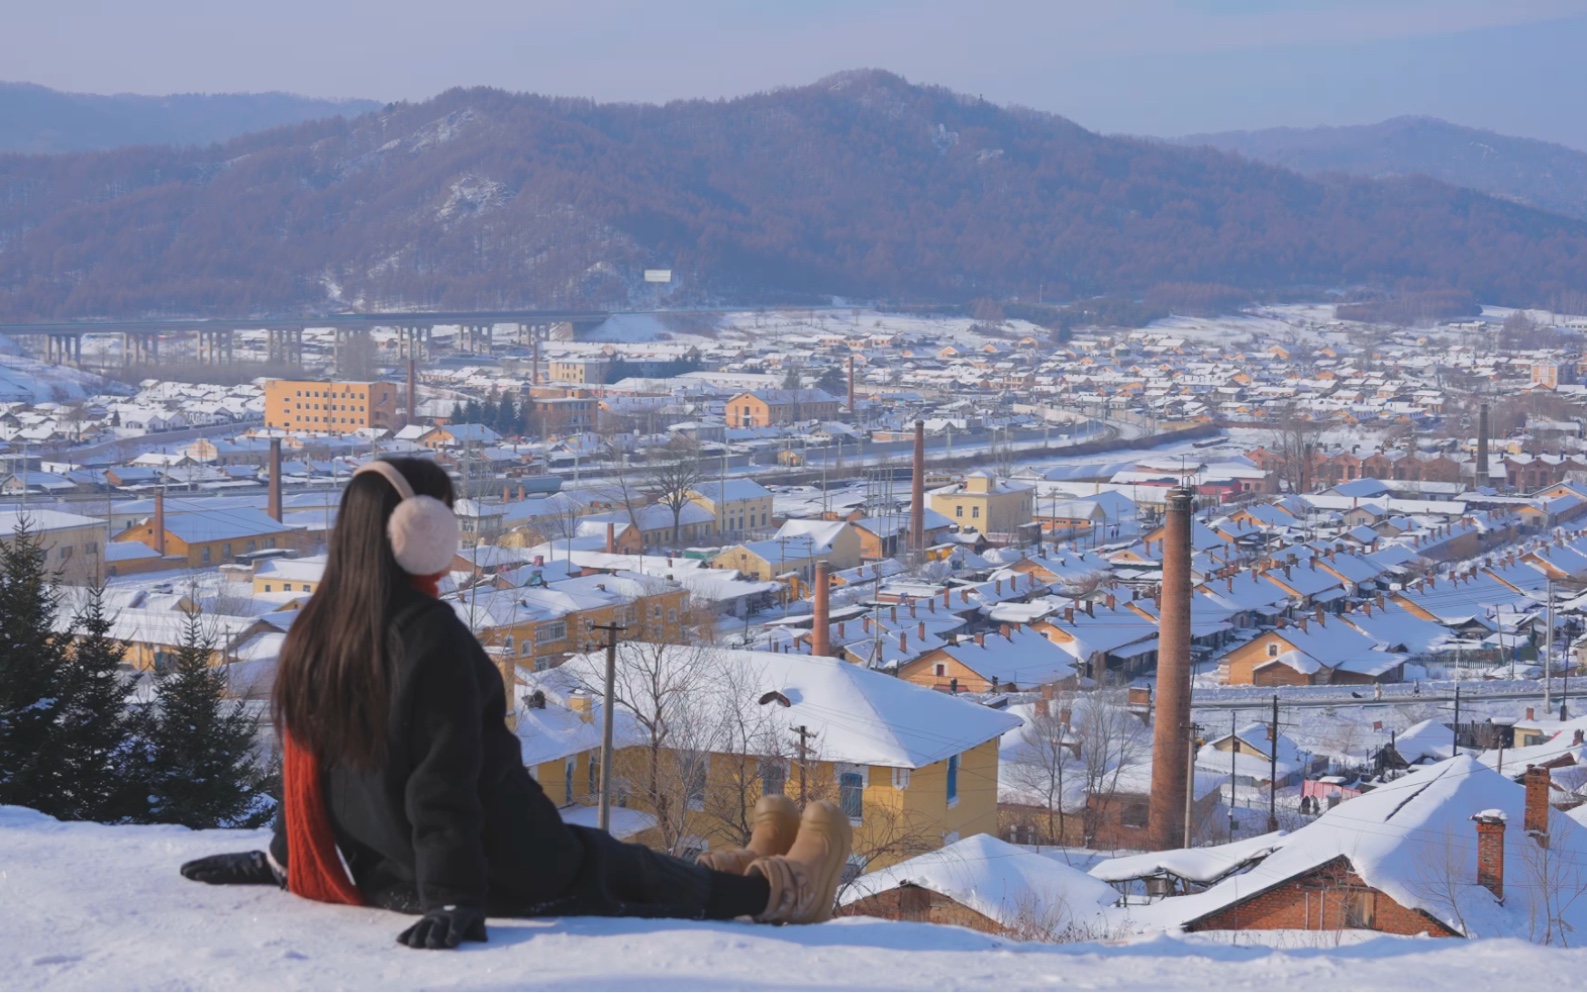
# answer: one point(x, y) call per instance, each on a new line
point(1295, 441)
point(1046, 754)
point(670, 480)
point(665, 689)
point(1553, 882)
point(1111, 739)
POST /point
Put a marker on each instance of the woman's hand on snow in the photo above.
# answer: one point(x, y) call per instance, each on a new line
point(232, 869)
point(445, 928)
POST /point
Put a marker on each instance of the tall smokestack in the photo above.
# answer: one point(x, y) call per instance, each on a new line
point(159, 520)
point(1480, 475)
point(413, 391)
point(851, 386)
point(917, 492)
point(611, 538)
point(1170, 746)
point(821, 630)
point(1305, 467)
point(534, 363)
point(273, 501)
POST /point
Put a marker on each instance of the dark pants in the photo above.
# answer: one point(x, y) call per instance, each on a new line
point(618, 879)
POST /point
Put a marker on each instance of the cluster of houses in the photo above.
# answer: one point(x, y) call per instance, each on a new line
point(966, 667)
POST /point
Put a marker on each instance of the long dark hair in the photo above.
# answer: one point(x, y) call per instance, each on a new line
point(332, 688)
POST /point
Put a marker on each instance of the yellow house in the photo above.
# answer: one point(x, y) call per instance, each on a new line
point(212, 539)
point(737, 505)
point(72, 543)
point(914, 769)
point(539, 626)
point(985, 503)
point(795, 550)
point(289, 575)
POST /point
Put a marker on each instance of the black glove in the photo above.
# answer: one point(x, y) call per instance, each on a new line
point(233, 869)
point(445, 928)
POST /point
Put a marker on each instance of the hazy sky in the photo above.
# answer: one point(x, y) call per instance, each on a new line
point(1143, 66)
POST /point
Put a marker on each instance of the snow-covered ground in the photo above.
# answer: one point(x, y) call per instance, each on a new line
point(85, 906)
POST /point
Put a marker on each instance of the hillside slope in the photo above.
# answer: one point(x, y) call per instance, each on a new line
point(1544, 175)
point(38, 119)
point(92, 907)
point(860, 185)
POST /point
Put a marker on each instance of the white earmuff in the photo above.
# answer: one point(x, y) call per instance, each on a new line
point(423, 531)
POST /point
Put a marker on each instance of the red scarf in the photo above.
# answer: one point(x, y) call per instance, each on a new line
point(314, 866)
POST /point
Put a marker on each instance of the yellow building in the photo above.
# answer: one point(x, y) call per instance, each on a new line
point(737, 506)
point(330, 407)
point(72, 543)
point(289, 575)
point(580, 371)
point(924, 778)
point(539, 626)
point(212, 539)
point(985, 503)
point(767, 408)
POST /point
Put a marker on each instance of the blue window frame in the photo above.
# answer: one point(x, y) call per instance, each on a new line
point(851, 794)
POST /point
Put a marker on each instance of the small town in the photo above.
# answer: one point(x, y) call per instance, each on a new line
point(864, 496)
point(957, 554)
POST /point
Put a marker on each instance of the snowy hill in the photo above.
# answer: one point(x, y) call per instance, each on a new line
point(83, 906)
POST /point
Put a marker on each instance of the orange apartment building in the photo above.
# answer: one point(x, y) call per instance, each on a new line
point(330, 407)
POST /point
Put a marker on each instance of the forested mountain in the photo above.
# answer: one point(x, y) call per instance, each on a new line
point(37, 119)
point(1552, 177)
point(859, 185)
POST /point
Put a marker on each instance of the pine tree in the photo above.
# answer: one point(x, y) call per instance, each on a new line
point(791, 379)
point(506, 416)
point(31, 672)
point(202, 746)
point(487, 413)
point(97, 737)
point(457, 412)
point(471, 412)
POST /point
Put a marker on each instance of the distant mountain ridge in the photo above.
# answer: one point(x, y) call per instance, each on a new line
point(1538, 173)
point(860, 185)
point(35, 119)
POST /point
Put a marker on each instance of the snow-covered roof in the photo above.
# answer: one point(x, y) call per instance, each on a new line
point(860, 716)
point(1014, 887)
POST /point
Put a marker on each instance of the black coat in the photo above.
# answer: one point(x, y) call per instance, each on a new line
point(451, 816)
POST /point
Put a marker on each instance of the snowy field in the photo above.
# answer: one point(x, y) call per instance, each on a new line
point(91, 907)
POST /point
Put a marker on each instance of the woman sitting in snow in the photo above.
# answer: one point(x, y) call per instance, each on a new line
point(398, 767)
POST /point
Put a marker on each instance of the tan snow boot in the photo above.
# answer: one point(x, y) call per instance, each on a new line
point(773, 827)
point(804, 883)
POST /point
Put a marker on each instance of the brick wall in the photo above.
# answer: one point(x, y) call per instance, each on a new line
point(1330, 897)
point(916, 903)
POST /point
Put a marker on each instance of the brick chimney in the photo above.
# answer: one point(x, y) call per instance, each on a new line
point(917, 492)
point(273, 500)
point(1536, 782)
point(1480, 470)
point(159, 520)
point(851, 386)
point(413, 391)
point(611, 538)
point(1490, 851)
point(1166, 826)
point(821, 627)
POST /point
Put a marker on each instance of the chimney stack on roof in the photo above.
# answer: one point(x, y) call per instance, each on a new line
point(821, 628)
point(1537, 784)
point(273, 498)
point(159, 520)
point(1490, 851)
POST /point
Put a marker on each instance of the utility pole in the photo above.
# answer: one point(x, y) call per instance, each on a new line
point(1272, 770)
point(1548, 653)
point(1190, 778)
point(804, 734)
point(603, 816)
point(1455, 740)
point(1234, 753)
